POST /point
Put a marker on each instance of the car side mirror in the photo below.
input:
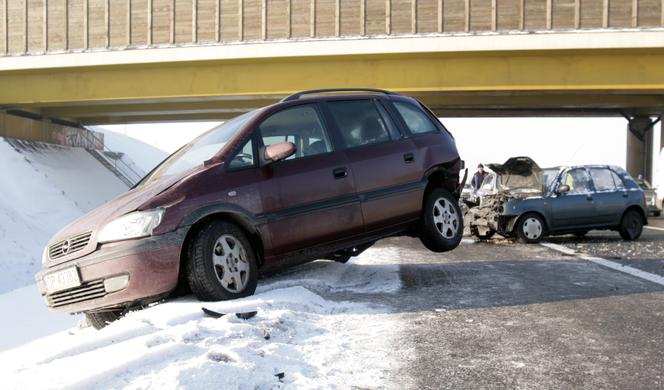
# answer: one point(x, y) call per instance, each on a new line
point(563, 189)
point(277, 152)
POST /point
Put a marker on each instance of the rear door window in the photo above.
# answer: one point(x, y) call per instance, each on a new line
point(359, 122)
point(417, 121)
point(602, 179)
point(300, 125)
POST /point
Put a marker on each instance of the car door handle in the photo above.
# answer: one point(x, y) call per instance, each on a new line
point(340, 173)
point(408, 158)
point(625, 194)
point(590, 198)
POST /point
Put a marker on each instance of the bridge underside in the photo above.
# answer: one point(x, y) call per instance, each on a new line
point(550, 82)
point(604, 74)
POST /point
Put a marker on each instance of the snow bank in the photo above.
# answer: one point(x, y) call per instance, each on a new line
point(315, 341)
point(43, 188)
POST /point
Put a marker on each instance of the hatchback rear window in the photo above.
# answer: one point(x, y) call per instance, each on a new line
point(416, 120)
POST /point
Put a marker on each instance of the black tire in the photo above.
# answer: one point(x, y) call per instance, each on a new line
point(206, 278)
point(343, 259)
point(580, 234)
point(657, 213)
point(486, 236)
point(631, 225)
point(530, 228)
point(441, 226)
point(100, 319)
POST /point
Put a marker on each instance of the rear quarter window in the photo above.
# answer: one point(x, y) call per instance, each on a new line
point(416, 120)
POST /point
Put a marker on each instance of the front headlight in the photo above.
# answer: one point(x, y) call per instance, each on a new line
point(133, 225)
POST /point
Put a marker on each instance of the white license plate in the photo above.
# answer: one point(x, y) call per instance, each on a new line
point(62, 280)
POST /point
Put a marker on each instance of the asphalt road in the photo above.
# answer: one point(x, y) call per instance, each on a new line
point(504, 315)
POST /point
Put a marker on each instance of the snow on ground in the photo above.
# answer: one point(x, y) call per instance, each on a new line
point(316, 342)
point(43, 188)
point(27, 318)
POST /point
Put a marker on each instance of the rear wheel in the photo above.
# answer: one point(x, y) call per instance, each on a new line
point(530, 228)
point(222, 264)
point(442, 222)
point(100, 319)
point(581, 234)
point(631, 225)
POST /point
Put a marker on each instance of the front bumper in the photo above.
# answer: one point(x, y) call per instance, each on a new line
point(152, 265)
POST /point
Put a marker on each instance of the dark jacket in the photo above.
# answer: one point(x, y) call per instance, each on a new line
point(478, 178)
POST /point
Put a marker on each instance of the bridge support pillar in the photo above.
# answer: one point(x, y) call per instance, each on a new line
point(640, 147)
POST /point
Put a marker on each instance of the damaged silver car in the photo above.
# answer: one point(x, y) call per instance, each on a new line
point(528, 202)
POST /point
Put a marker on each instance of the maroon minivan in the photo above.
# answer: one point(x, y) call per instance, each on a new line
point(320, 175)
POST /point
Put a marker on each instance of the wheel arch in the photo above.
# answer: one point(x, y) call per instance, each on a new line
point(638, 209)
point(515, 220)
point(235, 217)
point(442, 175)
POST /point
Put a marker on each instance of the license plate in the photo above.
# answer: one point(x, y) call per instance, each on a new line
point(62, 280)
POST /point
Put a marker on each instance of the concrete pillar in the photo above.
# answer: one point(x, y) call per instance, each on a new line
point(640, 148)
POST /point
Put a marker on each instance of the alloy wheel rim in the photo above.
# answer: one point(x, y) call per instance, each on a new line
point(446, 218)
point(532, 228)
point(230, 263)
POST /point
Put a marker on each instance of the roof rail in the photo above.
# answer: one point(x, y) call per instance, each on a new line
point(298, 95)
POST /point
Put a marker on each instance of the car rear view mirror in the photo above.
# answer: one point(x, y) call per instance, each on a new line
point(277, 152)
point(563, 189)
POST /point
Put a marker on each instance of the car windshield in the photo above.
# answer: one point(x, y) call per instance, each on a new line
point(200, 149)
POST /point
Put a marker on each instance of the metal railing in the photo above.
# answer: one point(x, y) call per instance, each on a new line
point(132, 177)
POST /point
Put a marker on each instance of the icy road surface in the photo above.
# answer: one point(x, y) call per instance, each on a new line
point(316, 342)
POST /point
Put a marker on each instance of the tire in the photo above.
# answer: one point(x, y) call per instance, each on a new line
point(580, 234)
point(486, 236)
point(222, 264)
point(100, 319)
point(631, 225)
point(342, 259)
point(441, 226)
point(657, 213)
point(530, 228)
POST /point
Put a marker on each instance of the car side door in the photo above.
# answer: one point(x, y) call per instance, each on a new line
point(386, 171)
point(610, 197)
point(575, 207)
point(309, 199)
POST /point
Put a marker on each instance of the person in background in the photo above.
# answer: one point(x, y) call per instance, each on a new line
point(478, 177)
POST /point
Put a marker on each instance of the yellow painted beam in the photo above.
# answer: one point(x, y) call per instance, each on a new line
point(515, 71)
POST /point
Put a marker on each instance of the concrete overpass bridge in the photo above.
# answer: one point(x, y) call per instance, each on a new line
point(72, 62)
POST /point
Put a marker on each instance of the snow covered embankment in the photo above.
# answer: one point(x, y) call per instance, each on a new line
point(315, 342)
point(43, 187)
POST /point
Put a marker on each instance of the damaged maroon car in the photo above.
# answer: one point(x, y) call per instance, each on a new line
point(320, 175)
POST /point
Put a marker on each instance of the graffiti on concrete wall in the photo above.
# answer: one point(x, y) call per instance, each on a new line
point(82, 138)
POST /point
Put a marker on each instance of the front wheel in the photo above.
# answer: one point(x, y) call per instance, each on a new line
point(631, 226)
point(441, 226)
point(530, 228)
point(99, 319)
point(222, 264)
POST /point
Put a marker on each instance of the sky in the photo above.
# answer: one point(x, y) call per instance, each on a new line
point(549, 141)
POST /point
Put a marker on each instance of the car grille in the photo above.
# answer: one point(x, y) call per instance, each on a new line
point(69, 246)
point(84, 292)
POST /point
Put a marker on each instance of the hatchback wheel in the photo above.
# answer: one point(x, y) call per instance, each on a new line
point(222, 264)
point(631, 225)
point(442, 222)
point(530, 228)
point(100, 319)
